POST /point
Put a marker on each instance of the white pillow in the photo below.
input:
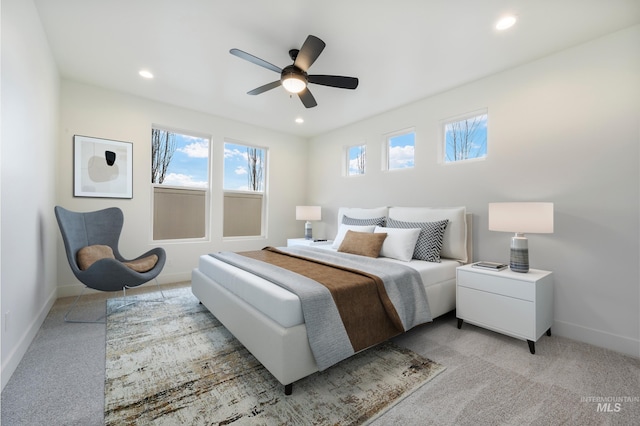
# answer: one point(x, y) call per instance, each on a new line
point(454, 244)
point(342, 231)
point(399, 243)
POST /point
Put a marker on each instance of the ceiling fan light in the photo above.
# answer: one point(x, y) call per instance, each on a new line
point(506, 23)
point(294, 83)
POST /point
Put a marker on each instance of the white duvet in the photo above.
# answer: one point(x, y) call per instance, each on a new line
point(284, 307)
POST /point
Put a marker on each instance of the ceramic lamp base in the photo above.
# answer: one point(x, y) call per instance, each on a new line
point(307, 231)
point(519, 261)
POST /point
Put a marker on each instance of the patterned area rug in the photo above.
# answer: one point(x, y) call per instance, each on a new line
point(172, 363)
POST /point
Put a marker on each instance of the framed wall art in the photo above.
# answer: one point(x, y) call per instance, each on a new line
point(102, 168)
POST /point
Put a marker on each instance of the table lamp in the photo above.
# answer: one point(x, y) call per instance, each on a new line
point(521, 218)
point(308, 213)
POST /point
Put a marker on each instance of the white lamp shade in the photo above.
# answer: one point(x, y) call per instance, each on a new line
point(524, 218)
point(308, 213)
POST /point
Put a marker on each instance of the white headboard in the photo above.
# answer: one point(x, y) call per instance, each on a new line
point(469, 220)
point(458, 240)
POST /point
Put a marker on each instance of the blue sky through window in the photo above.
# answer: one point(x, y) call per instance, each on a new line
point(189, 165)
point(357, 160)
point(466, 139)
point(401, 151)
point(236, 167)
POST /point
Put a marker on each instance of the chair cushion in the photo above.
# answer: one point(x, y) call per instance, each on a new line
point(143, 265)
point(88, 255)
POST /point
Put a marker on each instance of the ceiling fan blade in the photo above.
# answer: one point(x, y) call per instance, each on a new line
point(309, 52)
point(254, 59)
point(264, 88)
point(307, 98)
point(334, 81)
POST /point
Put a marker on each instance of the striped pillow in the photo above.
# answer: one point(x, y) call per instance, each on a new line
point(430, 239)
point(378, 221)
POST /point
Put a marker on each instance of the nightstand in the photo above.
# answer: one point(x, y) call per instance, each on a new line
point(517, 304)
point(305, 242)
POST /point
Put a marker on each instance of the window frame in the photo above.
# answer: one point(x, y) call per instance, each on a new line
point(347, 158)
point(386, 146)
point(206, 190)
point(443, 145)
point(263, 192)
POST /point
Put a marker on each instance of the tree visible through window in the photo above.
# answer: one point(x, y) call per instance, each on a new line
point(466, 138)
point(244, 190)
point(162, 148)
point(180, 180)
point(178, 159)
point(356, 160)
point(255, 162)
point(243, 167)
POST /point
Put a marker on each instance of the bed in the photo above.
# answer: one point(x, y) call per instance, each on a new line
point(269, 320)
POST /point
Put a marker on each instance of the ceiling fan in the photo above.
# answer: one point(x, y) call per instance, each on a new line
point(294, 78)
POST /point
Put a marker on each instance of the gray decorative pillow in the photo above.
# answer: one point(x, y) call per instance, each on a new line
point(378, 221)
point(430, 239)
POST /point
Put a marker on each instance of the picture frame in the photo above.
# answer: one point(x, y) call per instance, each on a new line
point(102, 168)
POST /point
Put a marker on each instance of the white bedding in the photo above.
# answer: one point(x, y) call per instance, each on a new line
point(267, 319)
point(284, 307)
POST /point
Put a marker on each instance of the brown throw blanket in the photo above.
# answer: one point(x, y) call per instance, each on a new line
point(367, 312)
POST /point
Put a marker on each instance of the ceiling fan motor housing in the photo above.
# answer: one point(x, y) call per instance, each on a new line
point(291, 71)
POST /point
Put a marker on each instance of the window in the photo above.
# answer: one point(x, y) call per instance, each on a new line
point(244, 190)
point(180, 179)
point(356, 160)
point(465, 137)
point(400, 150)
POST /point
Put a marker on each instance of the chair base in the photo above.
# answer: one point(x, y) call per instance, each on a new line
point(103, 318)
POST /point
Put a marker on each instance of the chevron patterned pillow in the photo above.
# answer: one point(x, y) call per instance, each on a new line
point(378, 221)
point(430, 239)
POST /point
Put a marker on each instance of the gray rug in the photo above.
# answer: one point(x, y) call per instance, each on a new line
point(173, 363)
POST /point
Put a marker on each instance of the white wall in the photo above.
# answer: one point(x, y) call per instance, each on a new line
point(563, 129)
point(92, 111)
point(30, 98)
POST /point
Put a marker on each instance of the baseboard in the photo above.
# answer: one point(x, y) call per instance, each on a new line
point(76, 288)
point(10, 364)
point(621, 344)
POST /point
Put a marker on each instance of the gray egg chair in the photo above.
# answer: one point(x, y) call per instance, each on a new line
point(84, 232)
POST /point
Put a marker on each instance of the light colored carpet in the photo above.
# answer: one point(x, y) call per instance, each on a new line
point(491, 379)
point(174, 363)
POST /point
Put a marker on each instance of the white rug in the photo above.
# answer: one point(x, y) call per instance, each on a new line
point(173, 363)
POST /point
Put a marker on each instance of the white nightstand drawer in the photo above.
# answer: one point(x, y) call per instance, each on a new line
point(503, 314)
point(519, 305)
point(494, 283)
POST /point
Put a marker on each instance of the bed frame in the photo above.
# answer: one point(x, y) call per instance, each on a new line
point(285, 352)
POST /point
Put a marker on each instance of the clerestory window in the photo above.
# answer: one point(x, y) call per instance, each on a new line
point(465, 137)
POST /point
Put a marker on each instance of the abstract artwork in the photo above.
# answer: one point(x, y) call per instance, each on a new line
point(102, 168)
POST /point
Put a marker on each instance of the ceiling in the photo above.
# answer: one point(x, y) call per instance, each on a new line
point(401, 51)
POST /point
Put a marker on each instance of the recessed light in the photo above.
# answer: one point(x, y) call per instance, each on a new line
point(145, 74)
point(299, 120)
point(506, 22)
